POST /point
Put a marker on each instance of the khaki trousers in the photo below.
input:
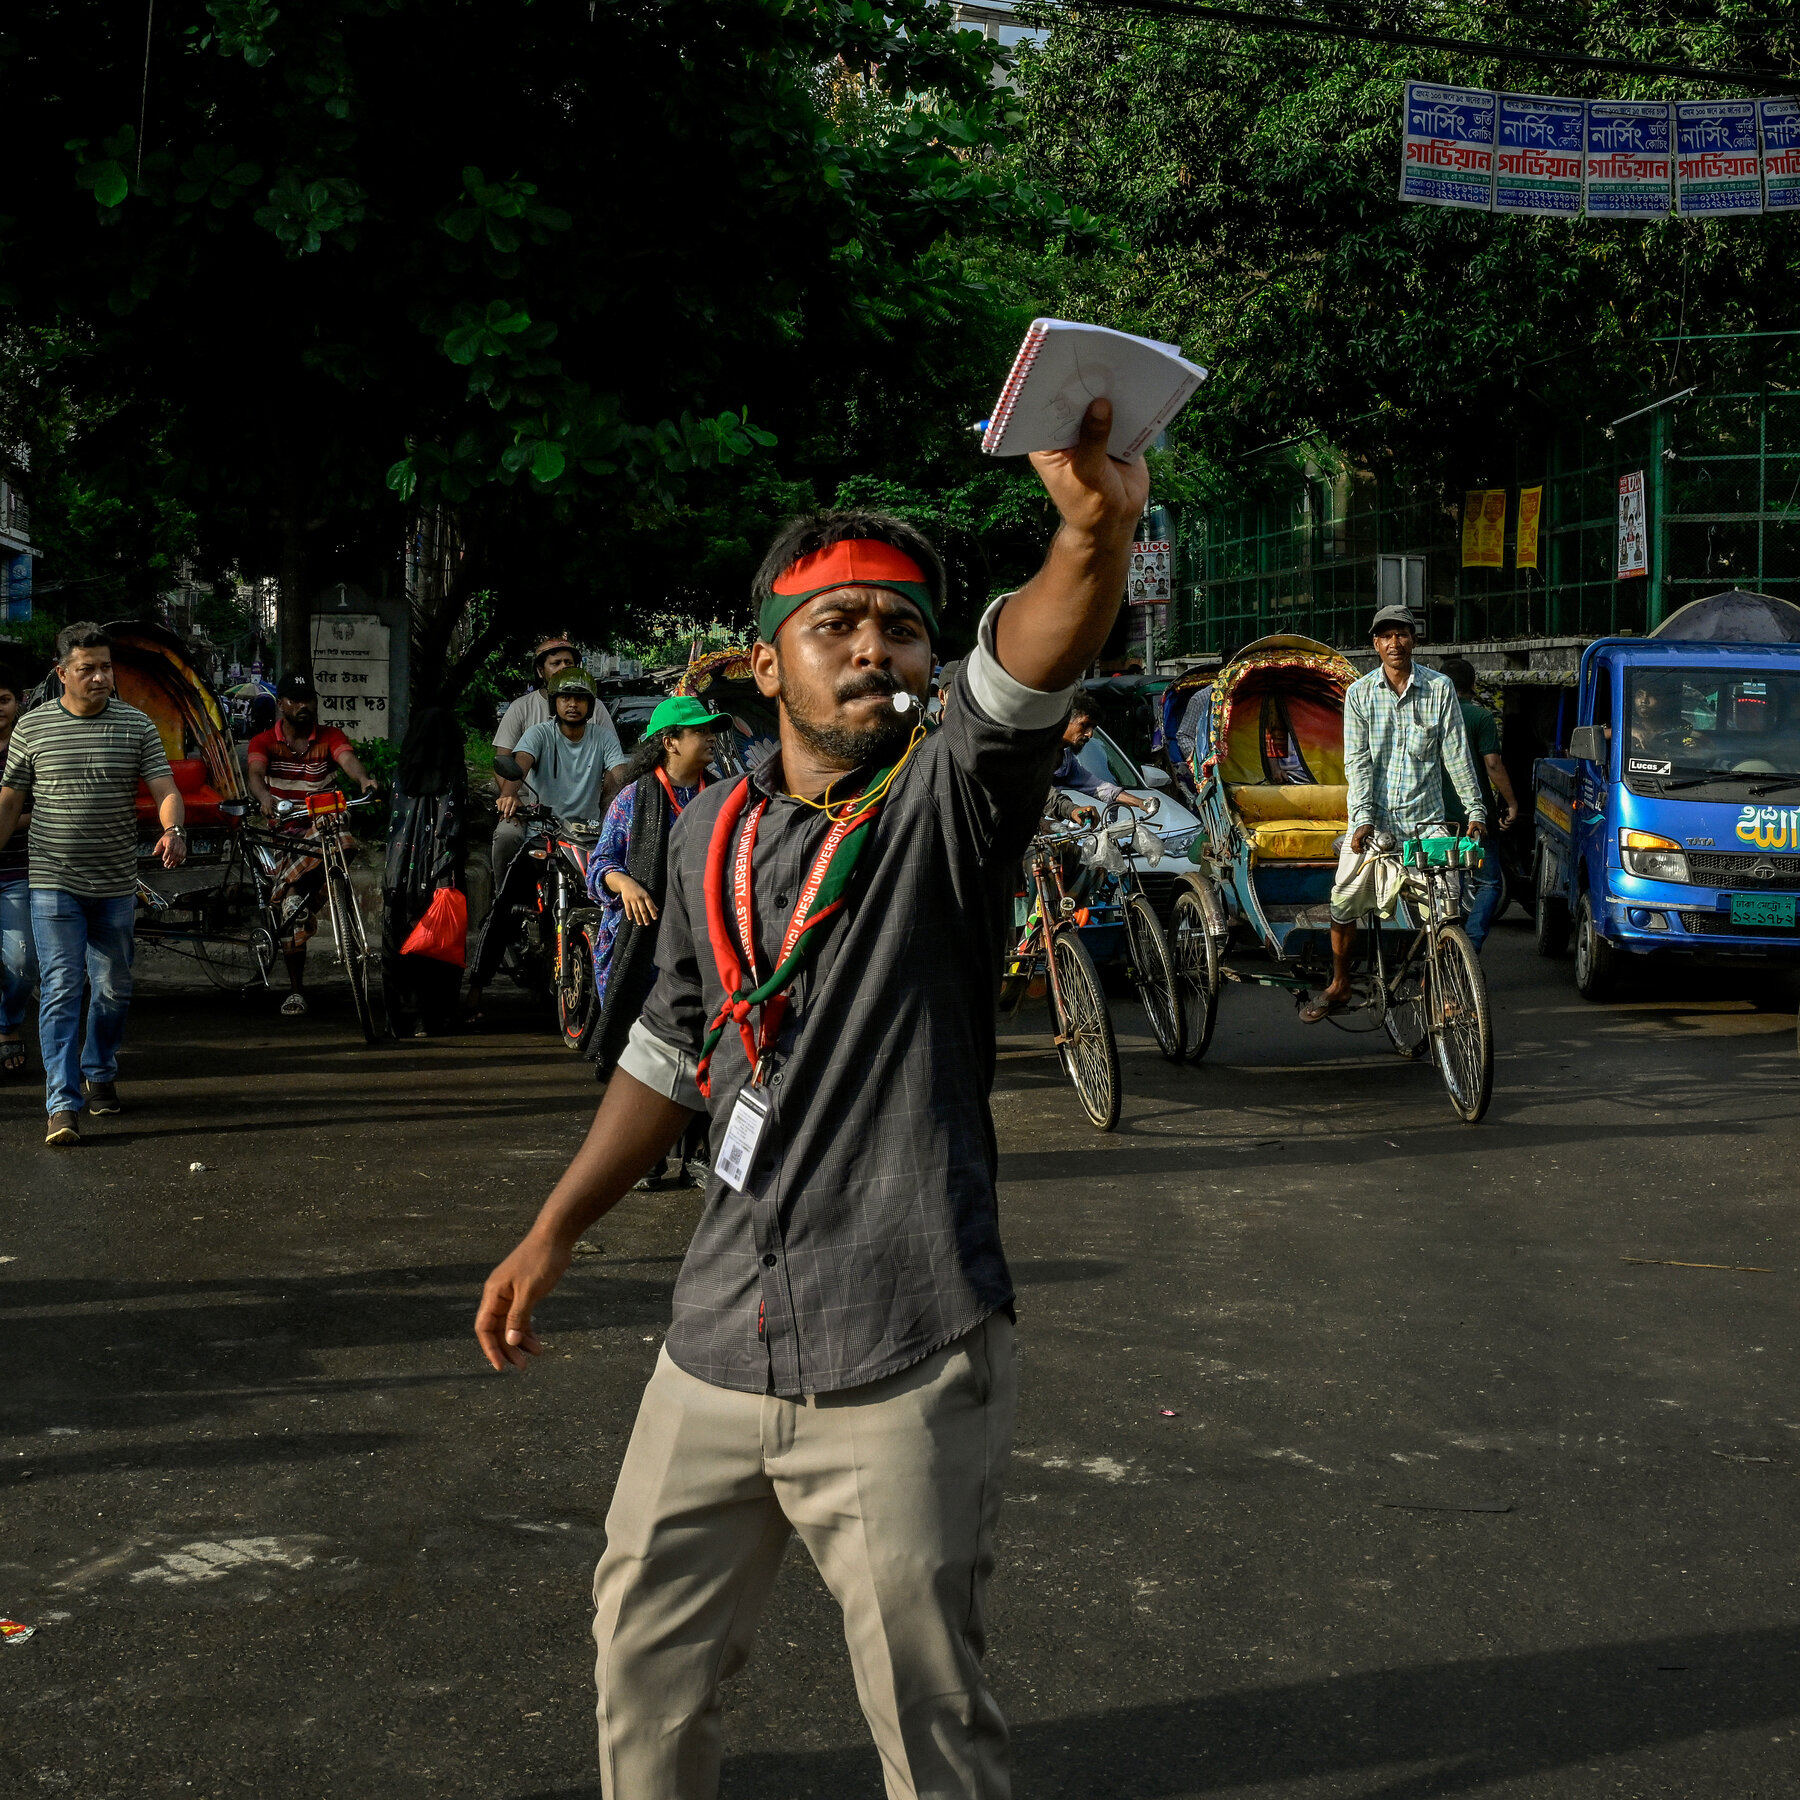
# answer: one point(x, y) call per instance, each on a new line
point(893, 1487)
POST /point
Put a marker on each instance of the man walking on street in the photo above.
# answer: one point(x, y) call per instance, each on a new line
point(1488, 883)
point(840, 1361)
point(1401, 724)
point(76, 763)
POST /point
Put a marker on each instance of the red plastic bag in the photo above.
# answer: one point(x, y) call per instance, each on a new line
point(444, 930)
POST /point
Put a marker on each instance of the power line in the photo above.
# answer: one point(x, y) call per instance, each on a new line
point(1312, 25)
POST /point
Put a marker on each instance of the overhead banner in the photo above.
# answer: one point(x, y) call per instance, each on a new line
point(1628, 159)
point(1484, 528)
point(1538, 161)
point(1531, 506)
point(1718, 171)
point(1779, 121)
point(1634, 536)
point(1447, 157)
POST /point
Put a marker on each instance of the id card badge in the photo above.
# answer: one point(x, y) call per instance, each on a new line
point(742, 1134)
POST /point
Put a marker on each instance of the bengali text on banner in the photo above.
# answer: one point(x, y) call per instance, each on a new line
point(1718, 171)
point(1628, 159)
point(1484, 528)
point(1538, 159)
point(1447, 146)
point(1531, 506)
point(1780, 123)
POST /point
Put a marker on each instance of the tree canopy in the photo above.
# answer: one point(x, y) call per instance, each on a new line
point(1253, 175)
point(570, 271)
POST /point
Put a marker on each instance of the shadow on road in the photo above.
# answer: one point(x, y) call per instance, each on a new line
point(1475, 1723)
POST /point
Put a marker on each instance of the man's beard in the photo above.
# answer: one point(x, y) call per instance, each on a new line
point(851, 746)
point(304, 721)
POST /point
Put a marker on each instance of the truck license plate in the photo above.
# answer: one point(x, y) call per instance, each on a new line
point(1762, 909)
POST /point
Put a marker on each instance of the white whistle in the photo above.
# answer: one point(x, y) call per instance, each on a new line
point(905, 702)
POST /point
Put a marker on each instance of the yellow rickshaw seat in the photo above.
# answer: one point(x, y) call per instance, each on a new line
point(1297, 823)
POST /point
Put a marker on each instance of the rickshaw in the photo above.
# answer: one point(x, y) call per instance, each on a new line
point(1274, 805)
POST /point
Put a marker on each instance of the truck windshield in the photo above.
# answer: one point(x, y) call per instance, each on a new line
point(1704, 721)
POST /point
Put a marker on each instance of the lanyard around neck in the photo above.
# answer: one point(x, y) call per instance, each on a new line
point(821, 898)
point(668, 787)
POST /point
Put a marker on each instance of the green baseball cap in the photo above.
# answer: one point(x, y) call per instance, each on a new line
point(679, 712)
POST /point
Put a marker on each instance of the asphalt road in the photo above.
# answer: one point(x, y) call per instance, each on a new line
point(1456, 1498)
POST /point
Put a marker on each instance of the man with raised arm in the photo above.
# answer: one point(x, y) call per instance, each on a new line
point(840, 1360)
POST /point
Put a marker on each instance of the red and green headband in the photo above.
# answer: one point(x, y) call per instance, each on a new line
point(850, 562)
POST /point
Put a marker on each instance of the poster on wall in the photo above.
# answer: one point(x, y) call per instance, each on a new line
point(1718, 171)
point(1151, 570)
point(1447, 147)
point(1538, 159)
point(1780, 123)
point(1531, 506)
point(1484, 528)
point(350, 670)
point(1634, 536)
point(1628, 159)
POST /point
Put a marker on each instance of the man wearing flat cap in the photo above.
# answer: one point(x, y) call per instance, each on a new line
point(840, 1360)
point(1402, 725)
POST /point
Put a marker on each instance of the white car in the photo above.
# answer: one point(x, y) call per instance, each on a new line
point(1173, 823)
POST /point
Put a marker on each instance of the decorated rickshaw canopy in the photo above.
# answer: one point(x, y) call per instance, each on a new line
point(1305, 679)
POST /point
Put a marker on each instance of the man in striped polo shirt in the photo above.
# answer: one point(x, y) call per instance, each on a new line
point(76, 762)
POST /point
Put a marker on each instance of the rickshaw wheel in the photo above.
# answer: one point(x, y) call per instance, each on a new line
point(1403, 1019)
point(1089, 1051)
point(1196, 954)
point(1153, 969)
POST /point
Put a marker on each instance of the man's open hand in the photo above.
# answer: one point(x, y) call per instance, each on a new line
point(1094, 493)
point(503, 1322)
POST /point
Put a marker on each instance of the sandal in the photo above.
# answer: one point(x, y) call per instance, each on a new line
point(12, 1056)
point(293, 1006)
point(1321, 1008)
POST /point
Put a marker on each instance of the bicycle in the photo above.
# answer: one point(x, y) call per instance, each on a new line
point(1052, 946)
point(1436, 999)
point(326, 814)
point(1149, 961)
point(232, 930)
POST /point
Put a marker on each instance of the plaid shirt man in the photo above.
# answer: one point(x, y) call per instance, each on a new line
point(1396, 746)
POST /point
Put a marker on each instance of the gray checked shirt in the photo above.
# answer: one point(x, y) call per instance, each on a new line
point(868, 1235)
point(1395, 745)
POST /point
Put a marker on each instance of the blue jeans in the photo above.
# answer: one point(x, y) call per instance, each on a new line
point(1486, 886)
point(81, 943)
point(18, 957)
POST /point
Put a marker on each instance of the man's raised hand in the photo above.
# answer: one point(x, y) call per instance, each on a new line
point(1094, 493)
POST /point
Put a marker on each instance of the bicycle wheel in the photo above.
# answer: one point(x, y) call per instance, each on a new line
point(1196, 953)
point(352, 939)
point(1461, 1030)
point(1153, 970)
point(577, 1000)
point(1089, 1052)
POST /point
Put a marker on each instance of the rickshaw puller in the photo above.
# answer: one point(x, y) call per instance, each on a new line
point(1402, 727)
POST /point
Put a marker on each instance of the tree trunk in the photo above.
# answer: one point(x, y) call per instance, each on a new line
point(293, 611)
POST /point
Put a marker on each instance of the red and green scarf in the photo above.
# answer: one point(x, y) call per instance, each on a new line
point(822, 897)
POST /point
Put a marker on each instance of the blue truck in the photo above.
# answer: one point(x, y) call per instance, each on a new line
point(1671, 828)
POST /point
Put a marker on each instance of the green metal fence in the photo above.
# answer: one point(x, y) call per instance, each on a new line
point(1722, 495)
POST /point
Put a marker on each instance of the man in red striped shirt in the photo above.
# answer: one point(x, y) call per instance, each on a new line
point(289, 761)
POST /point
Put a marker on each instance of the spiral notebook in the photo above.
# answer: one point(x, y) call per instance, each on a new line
point(1063, 365)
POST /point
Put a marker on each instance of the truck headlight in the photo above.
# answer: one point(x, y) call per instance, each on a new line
point(1655, 858)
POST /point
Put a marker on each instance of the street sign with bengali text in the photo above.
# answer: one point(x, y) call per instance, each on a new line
point(350, 670)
